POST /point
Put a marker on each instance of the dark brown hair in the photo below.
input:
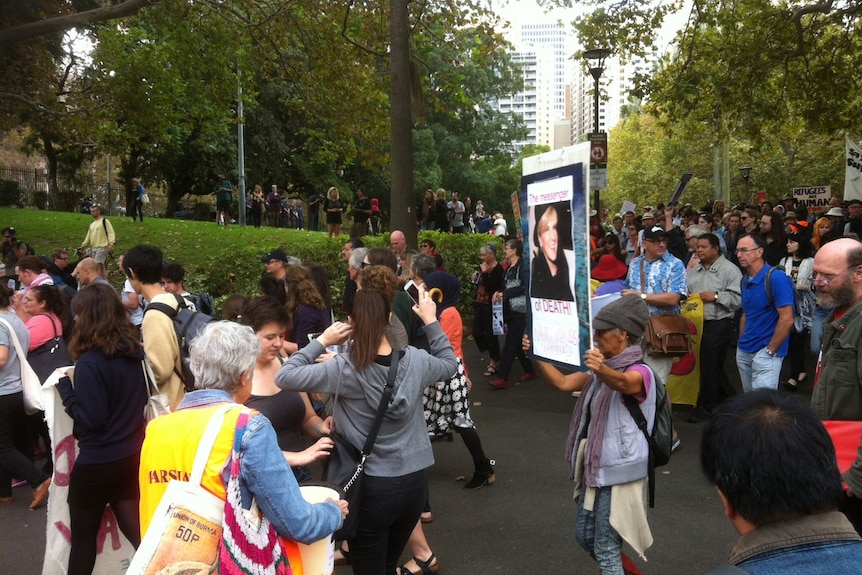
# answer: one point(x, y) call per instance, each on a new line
point(101, 322)
point(55, 302)
point(300, 290)
point(261, 311)
point(382, 257)
point(369, 321)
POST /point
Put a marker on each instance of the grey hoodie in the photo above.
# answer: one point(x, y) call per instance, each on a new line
point(402, 445)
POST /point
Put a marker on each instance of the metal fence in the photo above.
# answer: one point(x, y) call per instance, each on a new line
point(33, 182)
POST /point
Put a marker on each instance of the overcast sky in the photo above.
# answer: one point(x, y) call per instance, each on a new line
point(522, 11)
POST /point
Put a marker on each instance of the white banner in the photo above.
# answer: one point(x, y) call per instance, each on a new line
point(114, 552)
point(853, 172)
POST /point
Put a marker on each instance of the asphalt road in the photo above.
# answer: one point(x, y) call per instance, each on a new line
point(524, 523)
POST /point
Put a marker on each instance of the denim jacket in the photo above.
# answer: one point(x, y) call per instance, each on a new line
point(267, 476)
point(823, 544)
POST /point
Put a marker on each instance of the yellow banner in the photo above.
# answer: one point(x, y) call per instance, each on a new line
point(683, 385)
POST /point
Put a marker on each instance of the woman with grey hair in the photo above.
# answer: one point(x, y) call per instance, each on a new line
point(488, 278)
point(222, 357)
point(607, 453)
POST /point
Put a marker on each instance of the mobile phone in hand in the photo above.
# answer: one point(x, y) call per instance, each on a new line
point(412, 291)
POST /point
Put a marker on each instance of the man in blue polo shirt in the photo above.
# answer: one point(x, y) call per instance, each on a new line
point(765, 325)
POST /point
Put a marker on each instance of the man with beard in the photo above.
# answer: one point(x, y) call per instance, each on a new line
point(838, 380)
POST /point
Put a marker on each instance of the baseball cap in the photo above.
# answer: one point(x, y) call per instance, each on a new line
point(274, 255)
point(654, 233)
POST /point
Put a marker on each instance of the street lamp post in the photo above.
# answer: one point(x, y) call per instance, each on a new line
point(595, 59)
point(746, 173)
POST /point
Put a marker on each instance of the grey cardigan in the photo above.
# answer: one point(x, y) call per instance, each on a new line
point(402, 444)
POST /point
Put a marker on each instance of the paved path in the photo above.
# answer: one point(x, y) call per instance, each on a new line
point(524, 523)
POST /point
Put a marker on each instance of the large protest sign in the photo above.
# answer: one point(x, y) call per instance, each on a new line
point(114, 552)
point(814, 198)
point(557, 250)
point(853, 171)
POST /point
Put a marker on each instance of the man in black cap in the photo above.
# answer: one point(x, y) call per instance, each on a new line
point(276, 263)
point(659, 278)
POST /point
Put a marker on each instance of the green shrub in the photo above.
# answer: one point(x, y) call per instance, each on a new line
point(40, 199)
point(10, 193)
point(241, 275)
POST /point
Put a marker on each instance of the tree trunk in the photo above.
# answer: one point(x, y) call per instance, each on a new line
point(402, 216)
point(61, 200)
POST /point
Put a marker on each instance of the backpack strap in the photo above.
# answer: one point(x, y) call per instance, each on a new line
point(640, 420)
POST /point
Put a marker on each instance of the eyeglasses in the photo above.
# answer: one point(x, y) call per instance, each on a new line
point(65, 259)
point(828, 279)
point(657, 241)
point(744, 218)
point(425, 246)
point(746, 250)
point(363, 265)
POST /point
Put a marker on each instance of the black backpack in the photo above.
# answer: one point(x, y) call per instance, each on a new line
point(187, 324)
point(661, 439)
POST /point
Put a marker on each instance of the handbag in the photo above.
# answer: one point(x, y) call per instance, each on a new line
point(187, 526)
point(158, 403)
point(145, 198)
point(30, 382)
point(50, 355)
point(345, 466)
point(667, 334)
point(249, 543)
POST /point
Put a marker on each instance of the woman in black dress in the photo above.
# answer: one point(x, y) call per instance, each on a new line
point(333, 208)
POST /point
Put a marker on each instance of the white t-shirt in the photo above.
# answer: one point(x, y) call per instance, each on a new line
point(135, 315)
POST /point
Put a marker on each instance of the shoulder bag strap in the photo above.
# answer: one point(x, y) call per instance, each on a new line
point(149, 379)
point(642, 275)
point(207, 441)
point(384, 403)
point(53, 325)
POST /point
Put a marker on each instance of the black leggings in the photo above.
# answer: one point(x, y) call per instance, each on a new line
point(91, 488)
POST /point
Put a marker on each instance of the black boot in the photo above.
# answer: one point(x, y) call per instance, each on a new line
point(484, 474)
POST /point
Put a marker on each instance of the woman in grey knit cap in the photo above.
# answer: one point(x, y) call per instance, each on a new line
point(607, 452)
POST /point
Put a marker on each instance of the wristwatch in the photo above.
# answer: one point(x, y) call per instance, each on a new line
point(716, 297)
point(770, 353)
point(643, 296)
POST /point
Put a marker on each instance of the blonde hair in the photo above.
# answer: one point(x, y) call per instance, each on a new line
point(330, 190)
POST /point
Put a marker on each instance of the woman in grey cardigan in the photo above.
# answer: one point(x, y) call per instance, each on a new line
point(394, 487)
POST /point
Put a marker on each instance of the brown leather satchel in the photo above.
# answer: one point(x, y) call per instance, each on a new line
point(668, 334)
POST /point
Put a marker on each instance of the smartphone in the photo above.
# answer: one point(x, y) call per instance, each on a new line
point(412, 291)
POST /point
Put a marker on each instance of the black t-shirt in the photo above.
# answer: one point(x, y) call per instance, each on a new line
point(360, 204)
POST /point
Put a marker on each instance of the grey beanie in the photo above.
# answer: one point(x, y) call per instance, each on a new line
point(629, 313)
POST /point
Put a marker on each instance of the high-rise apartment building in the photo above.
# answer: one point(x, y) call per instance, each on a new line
point(615, 86)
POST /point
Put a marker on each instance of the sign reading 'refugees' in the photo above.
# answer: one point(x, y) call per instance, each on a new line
point(814, 198)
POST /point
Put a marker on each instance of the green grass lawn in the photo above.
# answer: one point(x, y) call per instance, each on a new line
point(225, 261)
point(221, 260)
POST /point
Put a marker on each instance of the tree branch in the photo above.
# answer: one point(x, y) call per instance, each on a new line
point(821, 8)
point(39, 28)
point(28, 102)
